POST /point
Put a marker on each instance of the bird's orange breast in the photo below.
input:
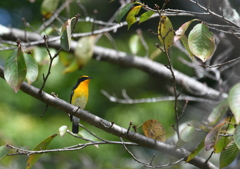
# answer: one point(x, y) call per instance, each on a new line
point(80, 96)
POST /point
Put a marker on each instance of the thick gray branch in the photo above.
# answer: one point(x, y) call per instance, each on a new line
point(123, 59)
point(109, 127)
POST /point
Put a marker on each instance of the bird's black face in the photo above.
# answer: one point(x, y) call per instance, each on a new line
point(83, 78)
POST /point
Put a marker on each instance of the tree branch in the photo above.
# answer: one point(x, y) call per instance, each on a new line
point(122, 59)
point(108, 126)
point(154, 99)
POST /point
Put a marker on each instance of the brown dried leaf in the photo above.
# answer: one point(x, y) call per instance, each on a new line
point(154, 129)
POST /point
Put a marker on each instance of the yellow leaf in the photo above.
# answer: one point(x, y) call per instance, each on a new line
point(131, 17)
point(33, 158)
point(72, 67)
point(165, 32)
point(84, 50)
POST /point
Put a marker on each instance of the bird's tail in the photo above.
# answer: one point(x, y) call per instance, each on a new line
point(75, 124)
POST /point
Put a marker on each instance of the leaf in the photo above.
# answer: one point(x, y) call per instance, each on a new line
point(72, 67)
point(32, 68)
point(134, 44)
point(33, 158)
point(131, 16)
point(165, 32)
point(123, 12)
point(84, 50)
point(236, 136)
point(145, 16)
point(195, 152)
point(201, 42)
point(66, 58)
point(184, 41)
point(48, 31)
point(87, 135)
point(66, 34)
point(62, 130)
point(48, 7)
point(15, 69)
point(3, 151)
point(212, 136)
point(218, 112)
point(191, 137)
point(153, 129)
point(234, 101)
point(155, 54)
point(42, 58)
point(181, 31)
point(220, 144)
point(229, 154)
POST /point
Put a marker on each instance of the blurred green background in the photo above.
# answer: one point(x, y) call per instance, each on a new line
point(21, 123)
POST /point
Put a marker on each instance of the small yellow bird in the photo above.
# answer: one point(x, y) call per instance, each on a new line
point(79, 97)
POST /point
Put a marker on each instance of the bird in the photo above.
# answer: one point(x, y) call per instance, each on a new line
point(79, 97)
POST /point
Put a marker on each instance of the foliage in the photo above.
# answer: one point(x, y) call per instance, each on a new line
point(62, 56)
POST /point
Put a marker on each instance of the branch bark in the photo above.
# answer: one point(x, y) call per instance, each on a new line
point(108, 127)
point(122, 59)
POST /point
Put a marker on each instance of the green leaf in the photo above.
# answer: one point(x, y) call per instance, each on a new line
point(229, 154)
point(72, 67)
point(87, 135)
point(32, 68)
point(42, 58)
point(123, 12)
point(221, 143)
point(134, 44)
point(33, 158)
point(84, 50)
point(145, 16)
point(3, 151)
point(201, 42)
point(184, 41)
point(218, 112)
point(165, 32)
point(66, 58)
point(15, 69)
point(66, 34)
point(236, 136)
point(181, 31)
point(212, 136)
point(48, 7)
point(131, 17)
point(48, 31)
point(195, 152)
point(190, 137)
point(234, 100)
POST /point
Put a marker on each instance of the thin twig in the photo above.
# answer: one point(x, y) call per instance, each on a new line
point(225, 63)
point(71, 148)
point(214, 14)
point(45, 78)
point(150, 163)
point(92, 133)
point(209, 157)
point(143, 41)
point(184, 108)
point(54, 16)
point(156, 99)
